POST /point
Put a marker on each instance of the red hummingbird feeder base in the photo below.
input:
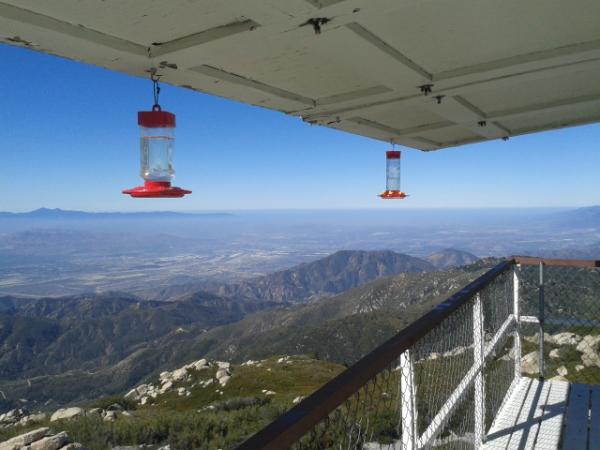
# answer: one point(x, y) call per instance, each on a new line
point(393, 195)
point(156, 189)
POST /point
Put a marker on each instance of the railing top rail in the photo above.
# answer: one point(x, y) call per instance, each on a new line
point(529, 260)
point(299, 420)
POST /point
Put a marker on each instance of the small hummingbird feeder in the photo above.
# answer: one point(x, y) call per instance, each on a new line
point(392, 182)
point(157, 128)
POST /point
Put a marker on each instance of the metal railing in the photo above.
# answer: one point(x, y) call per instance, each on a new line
point(440, 382)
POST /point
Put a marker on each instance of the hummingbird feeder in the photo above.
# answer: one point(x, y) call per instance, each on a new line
point(157, 128)
point(392, 182)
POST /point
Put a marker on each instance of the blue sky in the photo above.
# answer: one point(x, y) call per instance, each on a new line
point(70, 140)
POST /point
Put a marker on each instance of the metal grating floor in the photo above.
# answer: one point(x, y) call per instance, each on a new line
point(548, 415)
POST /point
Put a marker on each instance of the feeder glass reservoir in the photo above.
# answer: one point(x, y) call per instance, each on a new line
point(392, 171)
point(157, 140)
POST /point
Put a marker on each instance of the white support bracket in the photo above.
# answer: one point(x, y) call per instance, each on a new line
point(408, 405)
point(478, 347)
point(517, 314)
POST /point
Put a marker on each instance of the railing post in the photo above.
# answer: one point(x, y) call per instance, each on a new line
point(408, 404)
point(479, 358)
point(541, 321)
point(517, 314)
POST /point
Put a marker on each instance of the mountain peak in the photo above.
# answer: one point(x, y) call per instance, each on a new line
point(451, 257)
point(327, 276)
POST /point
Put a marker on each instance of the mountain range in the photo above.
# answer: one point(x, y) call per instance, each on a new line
point(62, 214)
point(327, 276)
point(72, 348)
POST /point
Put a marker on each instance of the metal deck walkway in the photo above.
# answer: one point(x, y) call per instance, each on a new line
point(548, 416)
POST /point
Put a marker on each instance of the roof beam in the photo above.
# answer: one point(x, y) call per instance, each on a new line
point(202, 37)
point(248, 82)
point(564, 53)
point(546, 106)
point(389, 50)
point(462, 89)
point(48, 23)
point(353, 95)
point(521, 131)
point(456, 109)
point(387, 133)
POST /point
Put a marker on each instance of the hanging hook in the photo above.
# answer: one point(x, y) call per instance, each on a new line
point(154, 77)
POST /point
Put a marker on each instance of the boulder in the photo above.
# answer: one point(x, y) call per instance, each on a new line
point(297, 399)
point(115, 407)
point(566, 338)
point(165, 387)
point(131, 393)
point(51, 442)
point(141, 389)
point(590, 359)
point(32, 418)
point(179, 374)
point(224, 380)
point(110, 416)
point(221, 373)
point(554, 353)
point(13, 415)
point(530, 363)
point(24, 439)
point(590, 347)
point(66, 413)
point(579, 367)
point(536, 338)
point(201, 364)
point(164, 375)
point(223, 365)
point(558, 378)
point(562, 371)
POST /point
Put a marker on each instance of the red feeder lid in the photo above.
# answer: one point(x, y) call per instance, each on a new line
point(156, 189)
point(393, 194)
point(392, 154)
point(156, 118)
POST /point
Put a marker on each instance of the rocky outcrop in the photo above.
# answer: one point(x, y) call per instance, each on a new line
point(590, 349)
point(566, 338)
point(562, 371)
point(67, 413)
point(20, 416)
point(41, 439)
point(142, 447)
point(168, 381)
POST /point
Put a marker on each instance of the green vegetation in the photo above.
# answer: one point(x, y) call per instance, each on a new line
point(211, 417)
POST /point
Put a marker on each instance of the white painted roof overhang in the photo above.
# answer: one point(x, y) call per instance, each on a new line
point(500, 67)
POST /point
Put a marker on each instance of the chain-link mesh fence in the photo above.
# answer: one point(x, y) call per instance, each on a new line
point(371, 415)
point(569, 309)
point(428, 398)
point(442, 360)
